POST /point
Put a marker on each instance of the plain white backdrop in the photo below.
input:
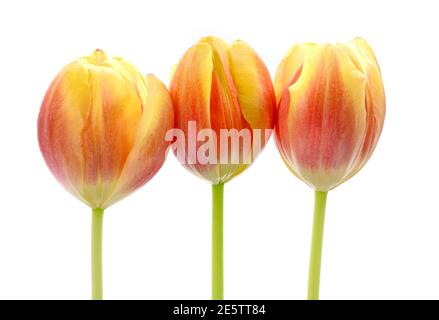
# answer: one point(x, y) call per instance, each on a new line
point(382, 226)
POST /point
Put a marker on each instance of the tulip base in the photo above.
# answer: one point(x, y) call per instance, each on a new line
point(217, 242)
point(316, 245)
point(96, 253)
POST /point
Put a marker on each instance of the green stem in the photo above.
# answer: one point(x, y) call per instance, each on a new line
point(316, 245)
point(96, 253)
point(217, 242)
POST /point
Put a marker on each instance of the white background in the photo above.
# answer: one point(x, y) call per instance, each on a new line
point(382, 227)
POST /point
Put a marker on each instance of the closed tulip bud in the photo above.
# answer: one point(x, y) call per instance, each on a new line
point(331, 108)
point(102, 128)
point(225, 89)
point(224, 113)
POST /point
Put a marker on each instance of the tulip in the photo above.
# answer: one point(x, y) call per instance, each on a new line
point(331, 108)
point(101, 130)
point(221, 93)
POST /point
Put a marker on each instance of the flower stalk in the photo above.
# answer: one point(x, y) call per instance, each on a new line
point(96, 253)
point(217, 242)
point(316, 245)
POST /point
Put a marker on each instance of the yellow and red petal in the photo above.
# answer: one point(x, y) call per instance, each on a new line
point(190, 87)
point(60, 124)
point(110, 128)
point(190, 91)
point(253, 84)
point(150, 146)
point(289, 67)
point(375, 100)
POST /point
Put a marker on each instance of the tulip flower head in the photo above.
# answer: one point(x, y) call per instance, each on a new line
point(331, 108)
point(102, 127)
point(224, 108)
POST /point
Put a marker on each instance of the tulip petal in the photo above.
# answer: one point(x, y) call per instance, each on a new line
point(289, 65)
point(225, 111)
point(254, 86)
point(150, 147)
point(375, 99)
point(190, 90)
point(109, 130)
point(60, 124)
point(224, 107)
